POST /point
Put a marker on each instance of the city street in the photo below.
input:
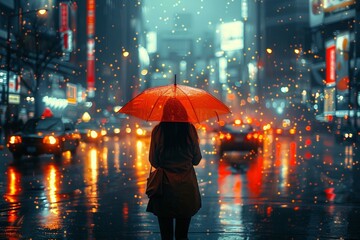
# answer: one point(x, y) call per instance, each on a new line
point(304, 187)
point(272, 87)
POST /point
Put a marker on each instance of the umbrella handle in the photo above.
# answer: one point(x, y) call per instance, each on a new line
point(175, 80)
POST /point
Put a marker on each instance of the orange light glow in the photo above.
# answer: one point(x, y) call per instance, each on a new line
point(237, 121)
point(15, 140)
point(50, 140)
point(292, 131)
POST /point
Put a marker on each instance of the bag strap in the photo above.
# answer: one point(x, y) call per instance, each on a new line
point(150, 169)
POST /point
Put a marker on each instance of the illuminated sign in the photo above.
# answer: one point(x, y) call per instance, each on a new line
point(90, 23)
point(151, 39)
point(90, 17)
point(91, 67)
point(56, 103)
point(330, 63)
point(342, 61)
point(329, 103)
point(64, 17)
point(71, 93)
point(331, 5)
point(14, 98)
point(231, 36)
point(316, 13)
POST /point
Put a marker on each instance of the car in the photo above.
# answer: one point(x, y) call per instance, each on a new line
point(44, 135)
point(285, 129)
point(114, 126)
point(346, 133)
point(90, 131)
point(239, 137)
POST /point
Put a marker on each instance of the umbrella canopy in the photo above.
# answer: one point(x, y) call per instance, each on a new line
point(175, 103)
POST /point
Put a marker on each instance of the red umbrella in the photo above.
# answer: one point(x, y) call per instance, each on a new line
point(175, 103)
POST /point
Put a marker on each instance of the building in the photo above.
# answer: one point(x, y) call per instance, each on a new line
point(285, 40)
point(38, 66)
point(335, 34)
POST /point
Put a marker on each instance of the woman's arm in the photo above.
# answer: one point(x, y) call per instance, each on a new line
point(153, 155)
point(197, 152)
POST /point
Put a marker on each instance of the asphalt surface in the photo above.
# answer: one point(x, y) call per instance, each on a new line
point(307, 188)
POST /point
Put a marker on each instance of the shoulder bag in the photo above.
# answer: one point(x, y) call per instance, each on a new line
point(154, 182)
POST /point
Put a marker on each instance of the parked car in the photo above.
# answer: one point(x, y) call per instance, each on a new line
point(90, 131)
point(45, 135)
point(239, 137)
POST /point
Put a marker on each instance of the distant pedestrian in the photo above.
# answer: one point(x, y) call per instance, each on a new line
point(175, 148)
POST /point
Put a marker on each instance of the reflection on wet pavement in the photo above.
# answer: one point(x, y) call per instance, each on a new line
point(301, 188)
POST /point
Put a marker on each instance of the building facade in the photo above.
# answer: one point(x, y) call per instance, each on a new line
point(38, 64)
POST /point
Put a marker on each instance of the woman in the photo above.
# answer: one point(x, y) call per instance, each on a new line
point(175, 148)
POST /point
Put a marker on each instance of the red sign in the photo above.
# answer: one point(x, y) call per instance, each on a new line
point(90, 18)
point(67, 41)
point(90, 22)
point(64, 17)
point(91, 66)
point(330, 65)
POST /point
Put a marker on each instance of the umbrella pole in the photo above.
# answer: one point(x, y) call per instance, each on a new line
point(175, 80)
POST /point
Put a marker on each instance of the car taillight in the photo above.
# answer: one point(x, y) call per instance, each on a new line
point(76, 135)
point(292, 131)
point(278, 131)
point(226, 136)
point(50, 140)
point(256, 136)
point(15, 140)
point(261, 137)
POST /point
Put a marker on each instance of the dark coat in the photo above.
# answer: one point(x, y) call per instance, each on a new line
point(181, 196)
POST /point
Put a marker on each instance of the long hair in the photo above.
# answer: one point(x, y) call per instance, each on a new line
point(176, 135)
point(174, 111)
point(175, 125)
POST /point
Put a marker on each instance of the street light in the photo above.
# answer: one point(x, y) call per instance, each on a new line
point(8, 49)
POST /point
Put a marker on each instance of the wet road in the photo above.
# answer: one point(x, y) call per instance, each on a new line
point(294, 188)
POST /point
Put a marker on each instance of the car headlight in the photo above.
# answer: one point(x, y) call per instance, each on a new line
point(348, 135)
point(93, 134)
point(50, 140)
point(103, 132)
point(15, 140)
point(140, 132)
